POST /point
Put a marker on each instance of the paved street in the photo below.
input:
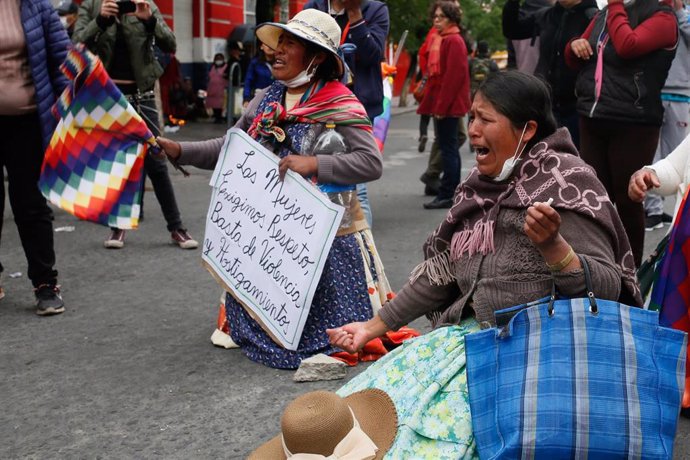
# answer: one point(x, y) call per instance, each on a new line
point(128, 370)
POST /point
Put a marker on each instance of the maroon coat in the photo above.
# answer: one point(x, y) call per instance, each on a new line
point(448, 94)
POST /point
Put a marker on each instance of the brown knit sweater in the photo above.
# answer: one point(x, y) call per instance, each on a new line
point(514, 274)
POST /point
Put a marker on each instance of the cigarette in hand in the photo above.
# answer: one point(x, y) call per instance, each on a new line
point(549, 201)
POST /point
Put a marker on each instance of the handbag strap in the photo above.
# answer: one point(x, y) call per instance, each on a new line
point(593, 308)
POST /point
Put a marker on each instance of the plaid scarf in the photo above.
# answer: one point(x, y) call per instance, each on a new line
point(551, 169)
point(321, 103)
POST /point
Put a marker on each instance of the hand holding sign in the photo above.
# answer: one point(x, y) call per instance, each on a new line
point(267, 239)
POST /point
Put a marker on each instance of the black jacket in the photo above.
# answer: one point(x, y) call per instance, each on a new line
point(631, 88)
point(555, 26)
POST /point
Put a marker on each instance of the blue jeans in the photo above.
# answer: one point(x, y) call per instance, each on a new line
point(447, 137)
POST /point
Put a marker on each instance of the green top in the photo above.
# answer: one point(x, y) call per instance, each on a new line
point(139, 37)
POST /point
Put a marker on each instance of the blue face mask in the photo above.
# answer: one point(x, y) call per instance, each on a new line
point(511, 162)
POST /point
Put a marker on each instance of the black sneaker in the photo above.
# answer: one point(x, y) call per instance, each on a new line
point(422, 143)
point(666, 218)
point(652, 223)
point(48, 300)
point(439, 204)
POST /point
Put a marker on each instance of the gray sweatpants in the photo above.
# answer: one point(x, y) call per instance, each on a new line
point(675, 127)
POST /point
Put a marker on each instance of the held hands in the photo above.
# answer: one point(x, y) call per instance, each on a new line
point(350, 337)
point(170, 148)
point(542, 224)
point(302, 165)
point(581, 48)
point(354, 9)
point(640, 183)
point(108, 9)
point(143, 11)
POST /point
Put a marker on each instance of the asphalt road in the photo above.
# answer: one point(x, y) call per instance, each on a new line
point(128, 370)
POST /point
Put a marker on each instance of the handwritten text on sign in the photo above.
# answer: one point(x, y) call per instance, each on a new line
point(267, 240)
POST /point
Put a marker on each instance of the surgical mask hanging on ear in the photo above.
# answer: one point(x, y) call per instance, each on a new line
point(511, 162)
point(302, 78)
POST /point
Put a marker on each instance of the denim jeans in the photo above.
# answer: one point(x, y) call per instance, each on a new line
point(435, 164)
point(21, 153)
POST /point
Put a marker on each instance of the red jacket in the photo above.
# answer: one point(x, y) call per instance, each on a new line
point(657, 32)
point(448, 94)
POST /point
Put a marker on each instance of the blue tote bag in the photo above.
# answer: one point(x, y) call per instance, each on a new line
point(575, 378)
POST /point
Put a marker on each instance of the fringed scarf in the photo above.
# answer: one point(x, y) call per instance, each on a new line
point(322, 102)
point(435, 49)
point(551, 169)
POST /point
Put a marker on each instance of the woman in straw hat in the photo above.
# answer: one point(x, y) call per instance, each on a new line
point(520, 222)
point(322, 425)
point(287, 118)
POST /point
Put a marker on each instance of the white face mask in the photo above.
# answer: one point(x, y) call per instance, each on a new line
point(63, 21)
point(511, 162)
point(219, 62)
point(302, 78)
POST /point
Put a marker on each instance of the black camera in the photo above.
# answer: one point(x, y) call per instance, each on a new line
point(126, 6)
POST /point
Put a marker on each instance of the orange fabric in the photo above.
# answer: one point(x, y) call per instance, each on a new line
point(376, 348)
point(435, 49)
point(222, 321)
point(343, 37)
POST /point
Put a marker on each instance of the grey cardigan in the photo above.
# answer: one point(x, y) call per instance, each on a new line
point(514, 274)
point(362, 164)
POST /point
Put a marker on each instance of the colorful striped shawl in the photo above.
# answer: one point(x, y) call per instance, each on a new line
point(321, 103)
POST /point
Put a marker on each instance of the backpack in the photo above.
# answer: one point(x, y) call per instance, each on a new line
point(479, 70)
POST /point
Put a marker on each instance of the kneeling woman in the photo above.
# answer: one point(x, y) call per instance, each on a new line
point(500, 245)
point(287, 118)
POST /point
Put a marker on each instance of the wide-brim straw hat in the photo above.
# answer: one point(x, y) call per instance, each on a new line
point(317, 421)
point(311, 25)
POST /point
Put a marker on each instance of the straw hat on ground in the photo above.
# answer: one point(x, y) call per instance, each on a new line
point(318, 423)
point(311, 25)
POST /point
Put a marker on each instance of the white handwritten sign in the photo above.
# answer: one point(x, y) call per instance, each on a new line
point(267, 240)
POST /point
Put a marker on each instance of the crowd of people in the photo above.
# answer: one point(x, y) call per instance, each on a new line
point(565, 157)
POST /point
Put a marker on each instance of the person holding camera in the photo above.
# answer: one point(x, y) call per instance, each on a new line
point(122, 34)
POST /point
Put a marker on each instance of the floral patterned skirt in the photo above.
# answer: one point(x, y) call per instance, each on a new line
point(352, 287)
point(426, 379)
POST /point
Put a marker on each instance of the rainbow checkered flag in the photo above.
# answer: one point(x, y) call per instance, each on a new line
point(671, 292)
point(93, 166)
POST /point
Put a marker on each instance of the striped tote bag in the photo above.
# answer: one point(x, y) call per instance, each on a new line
point(576, 378)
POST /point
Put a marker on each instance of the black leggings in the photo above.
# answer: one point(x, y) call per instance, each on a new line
point(21, 153)
point(616, 150)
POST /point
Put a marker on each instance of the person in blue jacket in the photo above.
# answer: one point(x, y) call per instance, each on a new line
point(259, 74)
point(364, 24)
point(33, 45)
